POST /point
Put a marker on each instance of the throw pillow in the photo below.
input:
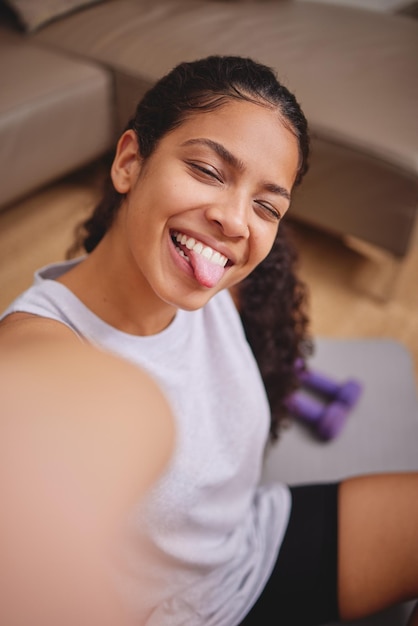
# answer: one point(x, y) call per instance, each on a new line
point(33, 14)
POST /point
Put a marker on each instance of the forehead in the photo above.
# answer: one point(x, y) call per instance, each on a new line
point(254, 133)
point(234, 115)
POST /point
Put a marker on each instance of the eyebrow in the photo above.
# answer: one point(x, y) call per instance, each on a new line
point(232, 160)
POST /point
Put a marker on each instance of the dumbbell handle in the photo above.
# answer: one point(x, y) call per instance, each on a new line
point(347, 392)
point(327, 419)
point(301, 405)
point(319, 381)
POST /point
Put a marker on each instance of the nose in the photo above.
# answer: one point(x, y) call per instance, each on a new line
point(232, 217)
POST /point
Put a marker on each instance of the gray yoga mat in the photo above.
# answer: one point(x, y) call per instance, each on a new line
point(381, 433)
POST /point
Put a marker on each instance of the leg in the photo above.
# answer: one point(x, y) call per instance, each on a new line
point(378, 543)
point(302, 588)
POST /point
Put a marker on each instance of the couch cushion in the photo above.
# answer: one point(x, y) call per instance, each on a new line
point(354, 71)
point(55, 115)
point(33, 14)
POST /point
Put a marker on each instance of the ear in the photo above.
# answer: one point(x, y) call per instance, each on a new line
point(126, 164)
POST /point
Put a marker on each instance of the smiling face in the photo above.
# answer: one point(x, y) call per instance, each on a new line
point(203, 210)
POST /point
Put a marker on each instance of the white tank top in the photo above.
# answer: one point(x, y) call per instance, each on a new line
point(215, 532)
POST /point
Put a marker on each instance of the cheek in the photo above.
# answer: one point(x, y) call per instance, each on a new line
point(263, 243)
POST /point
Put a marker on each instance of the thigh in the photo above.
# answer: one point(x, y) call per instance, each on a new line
point(302, 588)
point(378, 542)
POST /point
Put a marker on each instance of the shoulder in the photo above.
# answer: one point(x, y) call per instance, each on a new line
point(42, 307)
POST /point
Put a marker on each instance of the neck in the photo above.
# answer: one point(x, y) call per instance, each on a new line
point(109, 286)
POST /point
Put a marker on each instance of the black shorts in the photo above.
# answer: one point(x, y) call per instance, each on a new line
point(302, 589)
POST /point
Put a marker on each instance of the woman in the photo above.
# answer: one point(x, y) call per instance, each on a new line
point(200, 181)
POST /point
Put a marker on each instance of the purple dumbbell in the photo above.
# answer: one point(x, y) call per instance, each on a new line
point(327, 419)
point(347, 392)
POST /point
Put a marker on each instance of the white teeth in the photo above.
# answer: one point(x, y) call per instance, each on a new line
point(181, 253)
point(207, 252)
point(191, 244)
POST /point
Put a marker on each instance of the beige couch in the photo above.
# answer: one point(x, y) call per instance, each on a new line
point(69, 84)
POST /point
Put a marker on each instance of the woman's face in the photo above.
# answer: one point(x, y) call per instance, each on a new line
point(204, 209)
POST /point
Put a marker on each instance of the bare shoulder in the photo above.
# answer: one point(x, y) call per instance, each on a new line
point(25, 327)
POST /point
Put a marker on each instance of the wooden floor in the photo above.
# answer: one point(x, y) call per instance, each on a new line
point(345, 285)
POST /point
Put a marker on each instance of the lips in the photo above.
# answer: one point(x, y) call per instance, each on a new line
point(208, 264)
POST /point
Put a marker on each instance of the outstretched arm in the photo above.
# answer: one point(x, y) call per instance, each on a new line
point(83, 435)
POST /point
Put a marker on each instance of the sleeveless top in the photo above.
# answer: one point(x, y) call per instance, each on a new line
point(212, 531)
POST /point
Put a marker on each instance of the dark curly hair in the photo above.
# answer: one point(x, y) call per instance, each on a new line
point(273, 305)
point(271, 299)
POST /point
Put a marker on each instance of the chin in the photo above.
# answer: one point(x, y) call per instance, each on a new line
point(194, 300)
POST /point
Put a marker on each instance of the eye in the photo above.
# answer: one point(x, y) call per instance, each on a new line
point(268, 211)
point(206, 171)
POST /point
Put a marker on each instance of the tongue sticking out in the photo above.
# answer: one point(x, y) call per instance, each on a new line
point(207, 274)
